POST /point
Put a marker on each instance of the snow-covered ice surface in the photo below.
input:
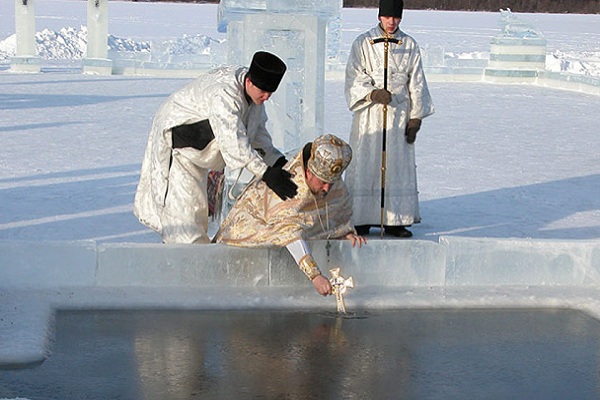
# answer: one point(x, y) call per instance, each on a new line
point(495, 161)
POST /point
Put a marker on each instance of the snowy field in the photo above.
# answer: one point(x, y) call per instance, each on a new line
point(497, 161)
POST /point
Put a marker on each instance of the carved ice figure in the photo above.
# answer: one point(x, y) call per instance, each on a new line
point(513, 26)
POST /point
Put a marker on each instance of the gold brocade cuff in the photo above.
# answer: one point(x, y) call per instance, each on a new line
point(308, 265)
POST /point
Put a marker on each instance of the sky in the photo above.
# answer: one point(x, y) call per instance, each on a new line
point(494, 161)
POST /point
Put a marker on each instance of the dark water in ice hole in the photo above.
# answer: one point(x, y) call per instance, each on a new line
point(390, 354)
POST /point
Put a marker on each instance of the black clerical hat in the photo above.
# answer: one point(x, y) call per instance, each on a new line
point(391, 8)
point(266, 71)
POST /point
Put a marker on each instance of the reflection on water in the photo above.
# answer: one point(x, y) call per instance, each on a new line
point(408, 354)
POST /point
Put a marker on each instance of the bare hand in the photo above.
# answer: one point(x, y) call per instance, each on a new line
point(322, 285)
point(356, 239)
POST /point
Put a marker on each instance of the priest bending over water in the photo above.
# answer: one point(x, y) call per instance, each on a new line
point(321, 210)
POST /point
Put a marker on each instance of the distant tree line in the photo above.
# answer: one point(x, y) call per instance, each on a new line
point(532, 6)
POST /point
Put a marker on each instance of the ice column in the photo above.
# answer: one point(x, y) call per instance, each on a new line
point(296, 109)
point(96, 61)
point(26, 59)
point(330, 10)
point(327, 10)
point(296, 32)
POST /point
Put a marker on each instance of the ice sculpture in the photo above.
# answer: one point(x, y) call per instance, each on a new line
point(513, 26)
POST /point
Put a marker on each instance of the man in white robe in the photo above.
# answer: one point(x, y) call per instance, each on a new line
point(321, 209)
point(408, 101)
point(219, 119)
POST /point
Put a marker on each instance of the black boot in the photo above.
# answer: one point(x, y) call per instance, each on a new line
point(362, 230)
point(398, 231)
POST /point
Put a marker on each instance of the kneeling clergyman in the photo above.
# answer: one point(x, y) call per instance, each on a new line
point(321, 210)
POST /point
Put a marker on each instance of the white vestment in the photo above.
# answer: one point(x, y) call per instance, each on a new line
point(171, 195)
point(410, 99)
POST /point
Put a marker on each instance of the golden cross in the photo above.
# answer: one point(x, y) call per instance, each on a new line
point(340, 285)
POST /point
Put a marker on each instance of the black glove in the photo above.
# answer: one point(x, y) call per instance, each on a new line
point(281, 161)
point(381, 96)
point(411, 130)
point(279, 180)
